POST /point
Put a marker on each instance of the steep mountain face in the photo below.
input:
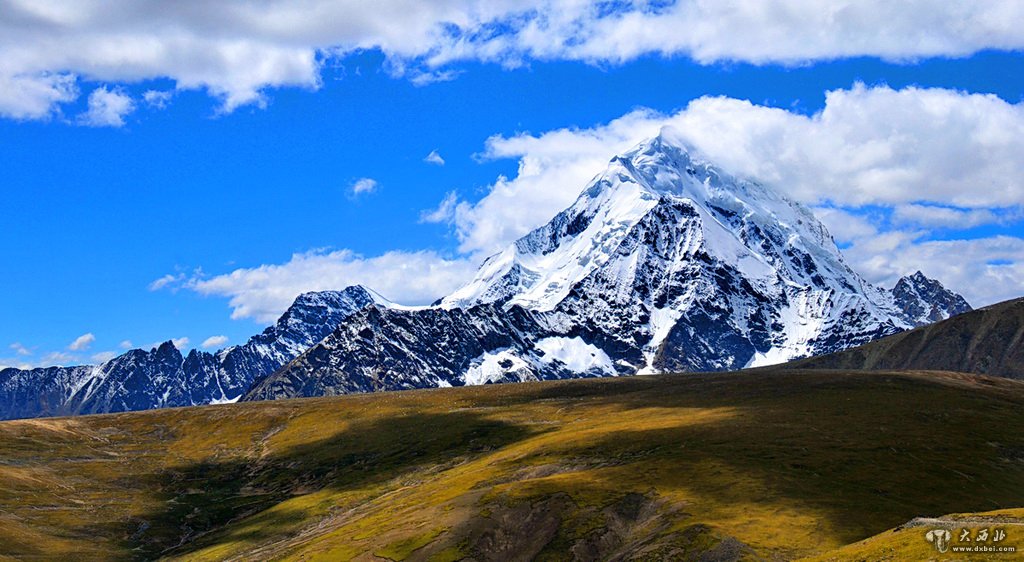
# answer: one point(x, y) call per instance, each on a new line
point(987, 341)
point(925, 300)
point(669, 263)
point(664, 263)
point(162, 377)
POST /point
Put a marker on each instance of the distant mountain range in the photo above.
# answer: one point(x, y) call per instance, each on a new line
point(664, 263)
point(162, 377)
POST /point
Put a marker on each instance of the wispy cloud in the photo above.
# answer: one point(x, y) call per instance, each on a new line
point(363, 186)
point(157, 98)
point(169, 280)
point(445, 211)
point(264, 292)
point(103, 356)
point(82, 342)
point(213, 342)
point(434, 158)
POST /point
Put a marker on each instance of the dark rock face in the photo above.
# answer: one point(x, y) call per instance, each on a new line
point(161, 377)
point(987, 341)
point(664, 263)
point(385, 349)
point(925, 300)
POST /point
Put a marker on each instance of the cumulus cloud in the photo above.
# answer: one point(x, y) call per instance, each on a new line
point(82, 342)
point(909, 160)
point(180, 343)
point(237, 50)
point(434, 158)
point(263, 293)
point(868, 146)
point(107, 108)
point(363, 186)
point(984, 271)
point(214, 342)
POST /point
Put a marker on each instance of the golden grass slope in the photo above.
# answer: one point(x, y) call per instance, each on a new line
point(766, 465)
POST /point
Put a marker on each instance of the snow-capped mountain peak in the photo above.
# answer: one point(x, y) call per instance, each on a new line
point(925, 300)
point(663, 236)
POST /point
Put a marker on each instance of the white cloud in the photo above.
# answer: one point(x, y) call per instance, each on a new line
point(166, 281)
point(20, 349)
point(157, 98)
point(434, 158)
point(82, 342)
point(107, 108)
point(906, 152)
point(445, 211)
point(180, 343)
point(363, 185)
point(35, 95)
point(214, 342)
point(103, 356)
point(932, 216)
point(125, 344)
point(983, 270)
point(237, 50)
point(868, 146)
point(264, 292)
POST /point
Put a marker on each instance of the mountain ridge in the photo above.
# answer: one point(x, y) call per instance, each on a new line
point(163, 377)
point(663, 263)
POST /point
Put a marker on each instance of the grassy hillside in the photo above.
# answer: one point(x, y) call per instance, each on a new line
point(773, 465)
point(908, 542)
point(989, 340)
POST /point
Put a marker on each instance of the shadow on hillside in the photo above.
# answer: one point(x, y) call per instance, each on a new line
point(204, 497)
point(864, 452)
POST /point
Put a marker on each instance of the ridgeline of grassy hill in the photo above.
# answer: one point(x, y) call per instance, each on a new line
point(763, 465)
point(986, 341)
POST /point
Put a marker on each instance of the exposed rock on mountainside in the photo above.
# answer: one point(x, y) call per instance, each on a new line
point(162, 377)
point(925, 300)
point(986, 341)
point(664, 263)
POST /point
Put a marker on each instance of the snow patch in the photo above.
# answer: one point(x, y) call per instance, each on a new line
point(577, 355)
point(492, 367)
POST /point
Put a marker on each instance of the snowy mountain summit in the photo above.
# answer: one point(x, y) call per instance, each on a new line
point(925, 300)
point(664, 263)
point(695, 268)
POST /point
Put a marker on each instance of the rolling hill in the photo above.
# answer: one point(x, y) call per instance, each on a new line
point(985, 341)
point(775, 464)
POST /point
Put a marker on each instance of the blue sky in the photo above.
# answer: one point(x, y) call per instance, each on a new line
point(201, 208)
